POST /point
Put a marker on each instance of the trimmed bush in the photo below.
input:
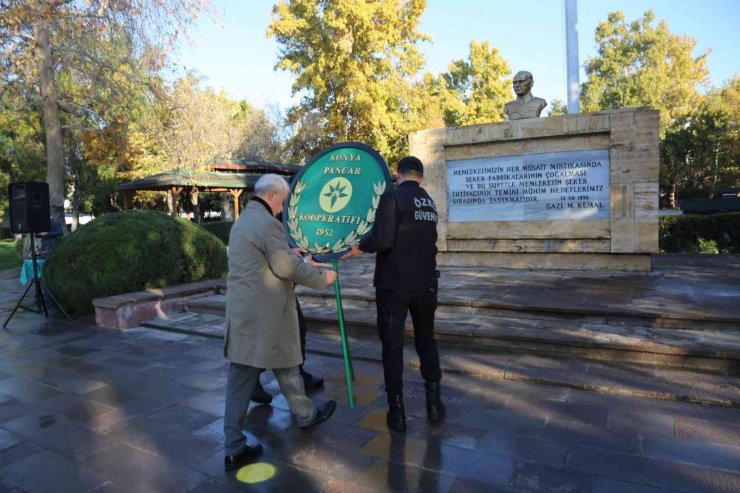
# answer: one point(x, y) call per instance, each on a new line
point(692, 232)
point(130, 251)
point(221, 229)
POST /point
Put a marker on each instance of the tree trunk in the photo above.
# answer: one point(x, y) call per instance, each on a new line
point(195, 205)
point(76, 199)
point(227, 210)
point(672, 195)
point(171, 203)
point(52, 124)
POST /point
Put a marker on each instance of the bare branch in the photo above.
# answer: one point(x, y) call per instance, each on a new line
point(77, 109)
point(79, 128)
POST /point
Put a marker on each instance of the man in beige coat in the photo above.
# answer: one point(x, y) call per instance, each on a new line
point(261, 319)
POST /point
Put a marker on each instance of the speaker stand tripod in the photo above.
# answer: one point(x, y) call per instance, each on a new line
point(40, 290)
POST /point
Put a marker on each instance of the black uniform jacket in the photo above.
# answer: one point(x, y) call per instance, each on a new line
point(404, 236)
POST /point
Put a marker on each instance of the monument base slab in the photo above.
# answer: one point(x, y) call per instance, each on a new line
point(634, 262)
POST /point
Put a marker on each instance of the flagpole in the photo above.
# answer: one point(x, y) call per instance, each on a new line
point(348, 370)
point(571, 55)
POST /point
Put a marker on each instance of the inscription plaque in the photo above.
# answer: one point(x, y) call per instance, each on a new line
point(554, 186)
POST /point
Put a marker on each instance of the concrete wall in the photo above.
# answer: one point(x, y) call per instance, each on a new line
point(623, 242)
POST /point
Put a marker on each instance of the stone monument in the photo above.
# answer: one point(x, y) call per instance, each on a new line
point(563, 192)
point(525, 105)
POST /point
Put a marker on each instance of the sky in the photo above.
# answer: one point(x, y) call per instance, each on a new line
point(232, 51)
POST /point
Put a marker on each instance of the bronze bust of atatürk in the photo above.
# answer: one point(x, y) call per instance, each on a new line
point(525, 105)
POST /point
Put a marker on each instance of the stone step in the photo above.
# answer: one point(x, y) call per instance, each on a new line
point(718, 388)
point(635, 344)
point(467, 302)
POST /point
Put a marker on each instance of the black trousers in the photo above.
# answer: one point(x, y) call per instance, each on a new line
point(392, 309)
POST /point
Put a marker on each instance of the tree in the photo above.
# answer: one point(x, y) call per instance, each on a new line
point(21, 144)
point(641, 64)
point(702, 151)
point(42, 38)
point(202, 124)
point(475, 90)
point(117, 124)
point(353, 63)
point(557, 108)
point(262, 137)
point(199, 124)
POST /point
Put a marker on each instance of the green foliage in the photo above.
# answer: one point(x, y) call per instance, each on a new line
point(21, 143)
point(706, 246)
point(96, 65)
point(9, 256)
point(203, 124)
point(220, 229)
point(558, 107)
point(641, 64)
point(474, 91)
point(84, 59)
point(702, 151)
point(700, 233)
point(131, 251)
point(353, 63)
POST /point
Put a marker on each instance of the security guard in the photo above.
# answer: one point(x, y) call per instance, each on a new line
point(404, 236)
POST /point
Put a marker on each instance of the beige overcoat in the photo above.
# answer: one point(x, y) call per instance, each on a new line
point(261, 319)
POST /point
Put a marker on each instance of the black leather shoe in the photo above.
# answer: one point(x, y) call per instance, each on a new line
point(311, 382)
point(395, 418)
point(323, 412)
point(249, 454)
point(260, 395)
point(435, 408)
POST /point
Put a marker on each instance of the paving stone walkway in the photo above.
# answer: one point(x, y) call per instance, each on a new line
point(85, 409)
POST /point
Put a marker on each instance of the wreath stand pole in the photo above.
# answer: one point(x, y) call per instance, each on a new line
point(349, 372)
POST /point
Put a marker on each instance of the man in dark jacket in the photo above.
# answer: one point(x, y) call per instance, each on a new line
point(404, 237)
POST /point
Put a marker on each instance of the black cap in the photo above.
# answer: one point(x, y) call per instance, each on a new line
point(411, 163)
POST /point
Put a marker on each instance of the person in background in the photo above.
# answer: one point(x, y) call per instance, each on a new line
point(51, 238)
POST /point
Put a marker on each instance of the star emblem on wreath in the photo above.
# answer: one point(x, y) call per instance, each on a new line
point(336, 192)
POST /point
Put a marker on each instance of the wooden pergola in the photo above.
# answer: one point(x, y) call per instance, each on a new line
point(219, 175)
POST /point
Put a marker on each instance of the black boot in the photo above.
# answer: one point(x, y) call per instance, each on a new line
point(311, 382)
point(260, 395)
point(396, 417)
point(435, 408)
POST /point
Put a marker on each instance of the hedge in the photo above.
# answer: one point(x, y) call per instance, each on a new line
point(130, 251)
point(680, 234)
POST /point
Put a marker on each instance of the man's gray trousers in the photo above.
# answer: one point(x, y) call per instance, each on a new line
point(239, 387)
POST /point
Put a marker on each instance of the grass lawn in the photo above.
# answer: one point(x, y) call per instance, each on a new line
point(8, 257)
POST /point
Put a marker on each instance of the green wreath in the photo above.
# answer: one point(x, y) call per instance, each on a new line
point(341, 244)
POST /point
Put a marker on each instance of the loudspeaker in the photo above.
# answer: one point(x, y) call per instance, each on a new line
point(29, 207)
